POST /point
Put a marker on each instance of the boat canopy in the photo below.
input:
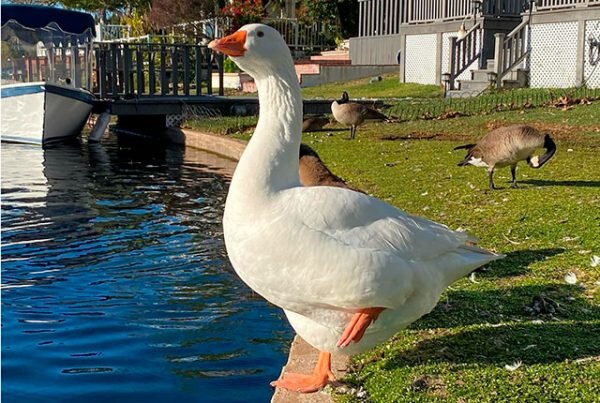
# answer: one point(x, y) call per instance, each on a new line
point(32, 23)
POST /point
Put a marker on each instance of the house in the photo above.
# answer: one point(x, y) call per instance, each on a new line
point(469, 44)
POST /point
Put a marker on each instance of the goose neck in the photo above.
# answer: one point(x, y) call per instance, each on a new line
point(270, 162)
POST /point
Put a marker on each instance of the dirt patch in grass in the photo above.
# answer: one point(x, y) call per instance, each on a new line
point(559, 131)
point(410, 136)
point(417, 135)
point(432, 385)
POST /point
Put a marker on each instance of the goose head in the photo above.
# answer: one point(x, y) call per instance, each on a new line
point(257, 49)
point(344, 98)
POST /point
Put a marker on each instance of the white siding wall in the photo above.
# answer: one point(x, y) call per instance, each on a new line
point(420, 59)
point(591, 74)
point(553, 55)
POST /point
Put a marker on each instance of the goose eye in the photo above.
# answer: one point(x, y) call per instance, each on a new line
point(260, 34)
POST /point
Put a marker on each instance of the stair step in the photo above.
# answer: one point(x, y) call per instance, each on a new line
point(511, 84)
point(480, 75)
point(472, 85)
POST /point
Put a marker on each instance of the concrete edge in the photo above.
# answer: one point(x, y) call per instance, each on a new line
point(302, 357)
point(214, 143)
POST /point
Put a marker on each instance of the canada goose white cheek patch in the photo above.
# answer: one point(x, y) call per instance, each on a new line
point(535, 161)
point(478, 163)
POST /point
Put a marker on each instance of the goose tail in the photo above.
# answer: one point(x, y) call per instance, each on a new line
point(376, 115)
point(466, 259)
point(464, 146)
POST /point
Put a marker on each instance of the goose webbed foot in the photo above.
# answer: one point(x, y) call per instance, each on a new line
point(320, 377)
point(358, 325)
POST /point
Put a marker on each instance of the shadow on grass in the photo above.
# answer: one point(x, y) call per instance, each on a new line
point(575, 183)
point(517, 263)
point(465, 307)
point(532, 343)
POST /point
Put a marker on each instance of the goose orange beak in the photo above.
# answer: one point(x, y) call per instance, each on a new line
point(231, 45)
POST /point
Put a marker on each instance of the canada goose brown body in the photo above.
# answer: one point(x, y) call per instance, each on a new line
point(314, 123)
point(313, 171)
point(506, 146)
point(353, 114)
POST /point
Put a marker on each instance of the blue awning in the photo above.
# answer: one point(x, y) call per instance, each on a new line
point(49, 25)
point(39, 17)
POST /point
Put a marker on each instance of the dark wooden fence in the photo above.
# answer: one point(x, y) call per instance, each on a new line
point(155, 69)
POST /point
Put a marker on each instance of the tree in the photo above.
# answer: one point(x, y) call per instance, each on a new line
point(341, 16)
point(166, 13)
point(348, 12)
point(242, 12)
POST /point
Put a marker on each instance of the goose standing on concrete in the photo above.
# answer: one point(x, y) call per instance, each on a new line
point(506, 146)
point(353, 114)
point(348, 269)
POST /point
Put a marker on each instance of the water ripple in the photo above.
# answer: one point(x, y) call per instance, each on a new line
point(113, 267)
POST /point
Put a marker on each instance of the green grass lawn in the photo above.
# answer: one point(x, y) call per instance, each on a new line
point(547, 228)
point(389, 87)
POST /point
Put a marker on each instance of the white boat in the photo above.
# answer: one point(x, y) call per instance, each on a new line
point(46, 75)
point(39, 113)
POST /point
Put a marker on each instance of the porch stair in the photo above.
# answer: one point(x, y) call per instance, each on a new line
point(329, 67)
point(479, 82)
point(332, 55)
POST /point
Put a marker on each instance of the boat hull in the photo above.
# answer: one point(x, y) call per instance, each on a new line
point(40, 113)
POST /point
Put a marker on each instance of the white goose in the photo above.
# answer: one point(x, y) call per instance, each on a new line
point(348, 269)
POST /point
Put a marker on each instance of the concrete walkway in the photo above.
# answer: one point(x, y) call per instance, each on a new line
point(302, 359)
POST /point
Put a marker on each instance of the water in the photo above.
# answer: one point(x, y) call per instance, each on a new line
point(115, 283)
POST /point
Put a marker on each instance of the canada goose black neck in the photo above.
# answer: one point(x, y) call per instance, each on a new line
point(550, 147)
point(344, 99)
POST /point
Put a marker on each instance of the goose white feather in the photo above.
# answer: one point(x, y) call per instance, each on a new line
point(324, 253)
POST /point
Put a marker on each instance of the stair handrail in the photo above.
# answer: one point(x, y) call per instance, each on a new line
point(464, 51)
point(510, 50)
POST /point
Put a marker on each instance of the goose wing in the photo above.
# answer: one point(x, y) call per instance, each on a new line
point(365, 252)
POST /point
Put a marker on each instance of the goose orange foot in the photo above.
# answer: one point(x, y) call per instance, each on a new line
point(320, 377)
point(358, 325)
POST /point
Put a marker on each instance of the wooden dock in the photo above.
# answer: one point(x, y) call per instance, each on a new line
point(148, 86)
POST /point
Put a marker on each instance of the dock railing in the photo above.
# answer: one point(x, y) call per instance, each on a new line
point(125, 70)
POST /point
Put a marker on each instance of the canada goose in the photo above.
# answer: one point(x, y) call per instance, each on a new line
point(353, 114)
point(313, 171)
point(314, 123)
point(506, 146)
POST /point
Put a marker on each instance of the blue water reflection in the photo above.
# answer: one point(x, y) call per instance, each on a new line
point(115, 283)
